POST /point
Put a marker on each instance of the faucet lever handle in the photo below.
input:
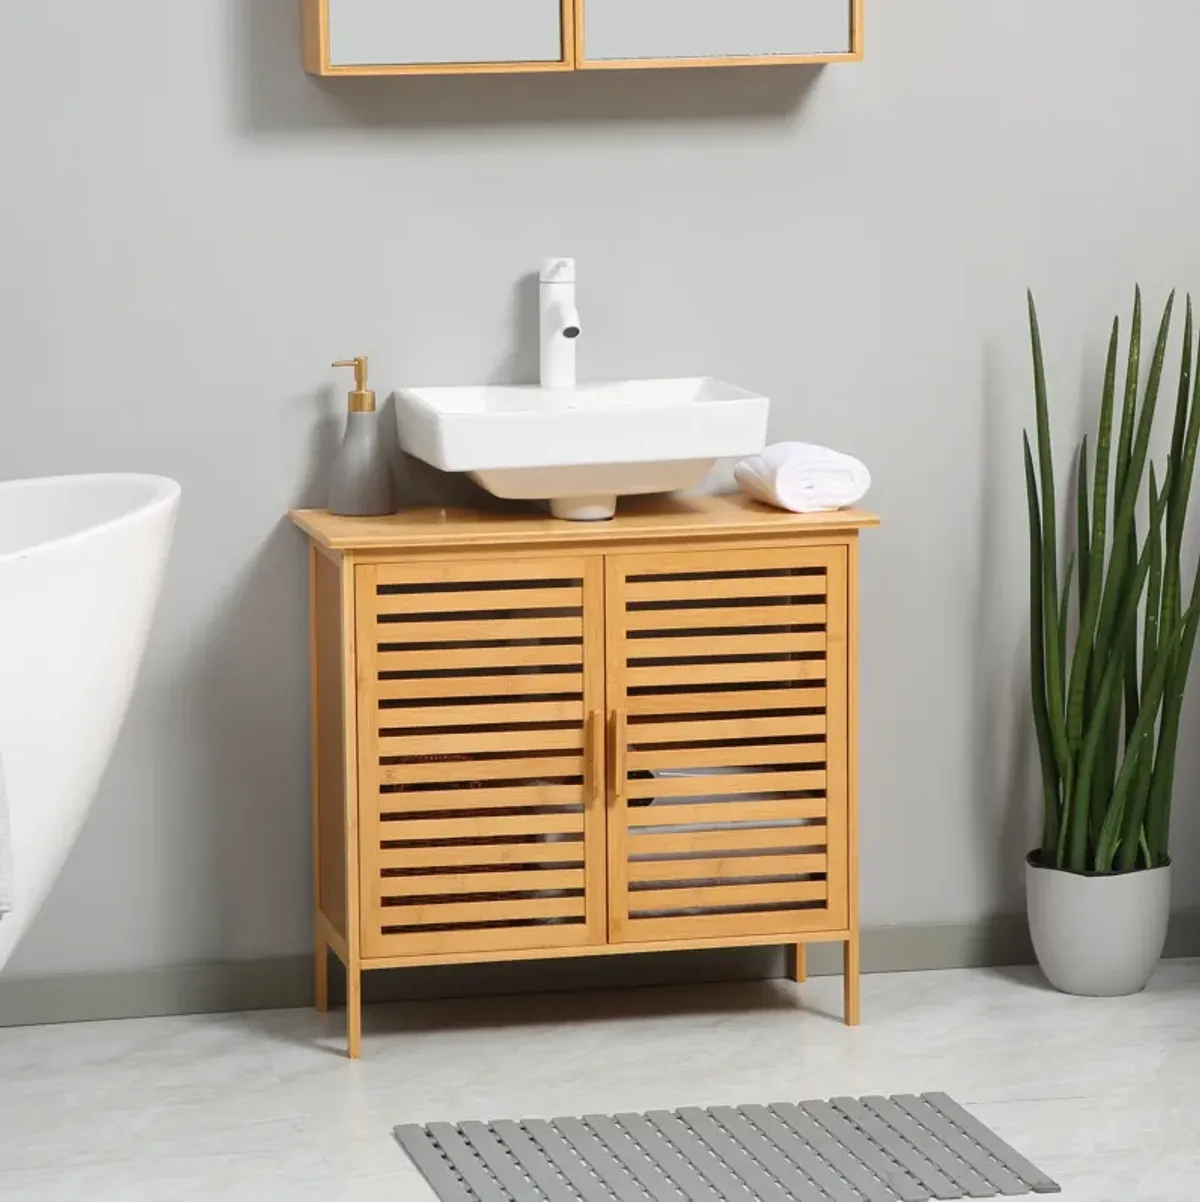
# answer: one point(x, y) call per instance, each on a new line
point(557, 271)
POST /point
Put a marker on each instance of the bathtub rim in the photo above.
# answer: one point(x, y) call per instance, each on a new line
point(164, 495)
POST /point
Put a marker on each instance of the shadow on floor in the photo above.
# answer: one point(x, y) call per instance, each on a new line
point(522, 1011)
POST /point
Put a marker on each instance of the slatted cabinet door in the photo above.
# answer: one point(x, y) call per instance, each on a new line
point(728, 695)
point(481, 691)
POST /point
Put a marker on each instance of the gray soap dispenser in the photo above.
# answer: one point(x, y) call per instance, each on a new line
point(361, 485)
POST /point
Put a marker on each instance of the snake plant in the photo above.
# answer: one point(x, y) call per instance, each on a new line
point(1111, 639)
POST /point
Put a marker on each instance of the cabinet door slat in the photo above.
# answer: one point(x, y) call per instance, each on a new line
point(482, 827)
point(720, 703)
point(666, 841)
point(681, 676)
point(729, 812)
point(569, 596)
point(727, 867)
point(716, 648)
point(425, 717)
point(475, 630)
point(711, 785)
point(480, 659)
point(511, 684)
point(699, 728)
point(725, 896)
point(788, 584)
point(462, 768)
point(499, 911)
point(482, 855)
point(732, 756)
point(407, 740)
point(811, 613)
point(478, 797)
point(516, 881)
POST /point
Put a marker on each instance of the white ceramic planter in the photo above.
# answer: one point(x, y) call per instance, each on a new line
point(1098, 936)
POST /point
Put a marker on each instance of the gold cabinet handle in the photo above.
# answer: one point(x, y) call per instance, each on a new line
point(595, 758)
point(617, 759)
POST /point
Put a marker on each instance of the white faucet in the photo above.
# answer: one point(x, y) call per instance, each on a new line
point(559, 322)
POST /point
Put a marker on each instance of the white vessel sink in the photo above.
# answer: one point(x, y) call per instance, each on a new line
point(581, 448)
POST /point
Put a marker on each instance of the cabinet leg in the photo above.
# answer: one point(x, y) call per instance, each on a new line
point(851, 969)
point(321, 976)
point(353, 1013)
point(798, 962)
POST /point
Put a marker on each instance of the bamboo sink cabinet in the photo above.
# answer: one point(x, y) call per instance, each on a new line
point(535, 738)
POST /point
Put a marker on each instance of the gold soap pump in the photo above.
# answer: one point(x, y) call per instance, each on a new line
point(361, 481)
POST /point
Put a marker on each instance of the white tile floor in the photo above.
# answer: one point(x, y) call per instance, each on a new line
point(1104, 1095)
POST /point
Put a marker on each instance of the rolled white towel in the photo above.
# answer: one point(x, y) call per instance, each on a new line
point(803, 478)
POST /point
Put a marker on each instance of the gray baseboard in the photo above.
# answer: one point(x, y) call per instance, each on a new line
point(287, 982)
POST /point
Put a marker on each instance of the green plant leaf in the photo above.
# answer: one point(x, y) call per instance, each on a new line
point(1055, 689)
point(1083, 547)
point(1184, 436)
point(1095, 546)
point(1133, 369)
point(1065, 601)
point(1037, 670)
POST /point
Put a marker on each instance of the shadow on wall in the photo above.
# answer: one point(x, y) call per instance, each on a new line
point(247, 699)
point(272, 93)
point(416, 483)
point(1004, 784)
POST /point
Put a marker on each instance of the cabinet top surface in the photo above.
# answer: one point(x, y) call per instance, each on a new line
point(640, 520)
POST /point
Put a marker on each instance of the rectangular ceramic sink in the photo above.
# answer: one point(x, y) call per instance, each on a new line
point(581, 448)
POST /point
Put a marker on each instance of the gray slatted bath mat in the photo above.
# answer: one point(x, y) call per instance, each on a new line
point(901, 1149)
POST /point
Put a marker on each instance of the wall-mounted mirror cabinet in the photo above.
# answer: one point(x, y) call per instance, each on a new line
point(414, 37)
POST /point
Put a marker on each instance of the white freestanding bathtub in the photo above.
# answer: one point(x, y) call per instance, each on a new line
point(81, 565)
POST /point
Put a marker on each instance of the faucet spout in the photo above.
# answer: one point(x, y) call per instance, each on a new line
point(568, 321)
point(559, 326)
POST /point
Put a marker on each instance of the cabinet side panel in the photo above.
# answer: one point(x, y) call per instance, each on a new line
point(369, 32)
point(330, 750)
point(312, 32)
point(704, 29)
point(839, 654)
point(852, 884)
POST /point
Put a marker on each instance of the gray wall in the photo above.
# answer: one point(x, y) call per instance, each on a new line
point(193, 229)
